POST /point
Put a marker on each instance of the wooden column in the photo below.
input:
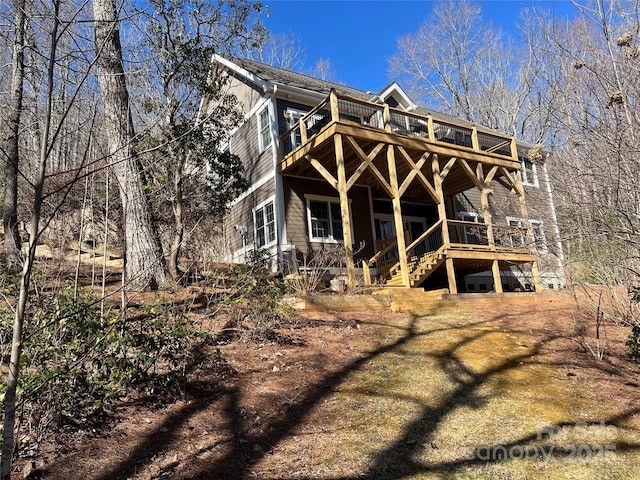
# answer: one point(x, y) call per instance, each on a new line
point(486, 215)
point(333, 104)
point(484, 201)
point(397, 216)
point(451, 276)
point(442, 214)
point(442, 211)
point(344, 211)
point(386, 117)
point(497, 281)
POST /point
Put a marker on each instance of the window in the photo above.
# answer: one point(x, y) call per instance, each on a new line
point(539, 239)
point(529, 174)
point(516, 234)
point(325, 220)
point(264, 124)
point(265, 224)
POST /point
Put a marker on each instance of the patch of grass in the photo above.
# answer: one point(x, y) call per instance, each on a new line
point(449, 396)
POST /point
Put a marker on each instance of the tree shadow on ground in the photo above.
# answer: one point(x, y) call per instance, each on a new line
point(246, 448)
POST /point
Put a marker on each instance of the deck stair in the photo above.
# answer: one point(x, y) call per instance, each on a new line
point(420, 268)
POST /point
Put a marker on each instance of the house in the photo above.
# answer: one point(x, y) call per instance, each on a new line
point(333, 165)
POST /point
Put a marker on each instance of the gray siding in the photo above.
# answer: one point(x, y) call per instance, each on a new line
point(245, 143)
point(296, 214)
point(242, 214)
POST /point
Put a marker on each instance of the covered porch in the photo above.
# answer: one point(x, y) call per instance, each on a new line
point(407, 157)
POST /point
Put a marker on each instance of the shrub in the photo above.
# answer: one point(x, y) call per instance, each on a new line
point(76, 363)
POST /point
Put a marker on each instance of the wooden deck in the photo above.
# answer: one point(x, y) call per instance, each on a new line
point(348, 142)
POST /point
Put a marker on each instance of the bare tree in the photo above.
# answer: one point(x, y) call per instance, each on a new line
point(145, 264)
point(323, 69)
point(592, 73)
point(282, 50)
point(458, 63)
point(12, 151)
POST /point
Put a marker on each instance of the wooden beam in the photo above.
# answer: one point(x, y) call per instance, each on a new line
point(323, 171)
point(412, 142)
point(471, 174)
point(397, 216)
point(367, 162)
point(454, 252)
point(489, 178)
point(517, 187)
point(344, 210)
point(416, 170)
point(447, 167)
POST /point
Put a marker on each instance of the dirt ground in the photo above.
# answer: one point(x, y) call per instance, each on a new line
point(257, 409)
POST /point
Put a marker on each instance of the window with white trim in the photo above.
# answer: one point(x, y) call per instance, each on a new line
point(529, 173)
point(539, 240)
point(324, 220)
point(516, 235)
point(264, 126)
point(264, 221)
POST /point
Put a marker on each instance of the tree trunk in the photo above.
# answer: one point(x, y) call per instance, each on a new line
point(10, 208)
point(8, 440)
point(178, 235)
point(145, 266)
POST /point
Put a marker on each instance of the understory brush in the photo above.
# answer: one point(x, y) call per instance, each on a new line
point(77, 362)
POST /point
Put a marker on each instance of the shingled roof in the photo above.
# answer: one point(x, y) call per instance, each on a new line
point(286, 77)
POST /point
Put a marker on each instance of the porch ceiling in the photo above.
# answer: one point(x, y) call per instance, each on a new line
point(321, 148)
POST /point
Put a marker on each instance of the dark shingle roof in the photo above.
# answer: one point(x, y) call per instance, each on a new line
point(287, 77)
point(279, 75)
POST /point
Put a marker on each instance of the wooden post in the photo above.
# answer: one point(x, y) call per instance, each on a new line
point(537, 286)
point(386, 118)
point(333, 103)
point(486, 214)
point(514, 150)
point(432, 135)
point(451, 276)
point(497, 281)
point(474, 139)
point(302, 125)
point(442, 211)
point(344, 210)
point(484, 201)
point(366, 272)
point(397, 216)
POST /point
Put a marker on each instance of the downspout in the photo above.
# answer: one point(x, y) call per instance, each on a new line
point(561, 258)
point(279, 186)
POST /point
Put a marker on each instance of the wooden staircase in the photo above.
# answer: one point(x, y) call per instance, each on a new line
point(420, 268)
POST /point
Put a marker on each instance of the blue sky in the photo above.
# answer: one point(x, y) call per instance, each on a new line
point(359, 35)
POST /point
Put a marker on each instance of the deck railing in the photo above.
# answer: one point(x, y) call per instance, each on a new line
point(475, 235)
point(336, 108)
point(462, 234)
